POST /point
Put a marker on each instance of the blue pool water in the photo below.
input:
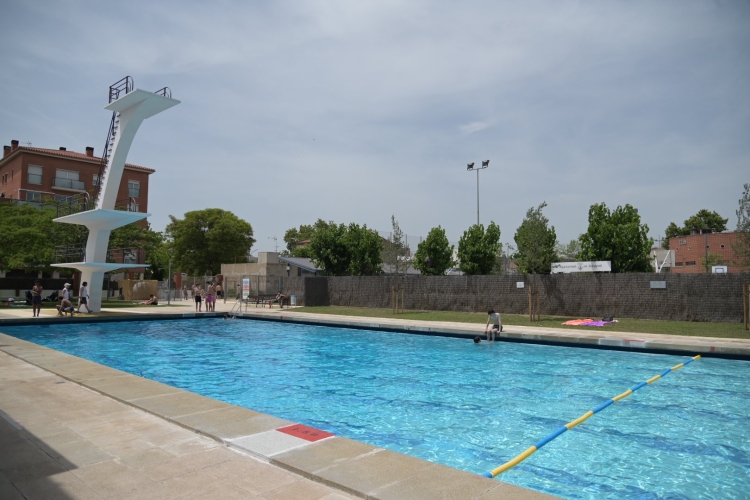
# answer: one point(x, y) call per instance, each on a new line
point(472, 407)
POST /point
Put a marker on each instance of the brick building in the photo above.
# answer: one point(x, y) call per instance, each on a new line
point(690, 252)
point(32, 174)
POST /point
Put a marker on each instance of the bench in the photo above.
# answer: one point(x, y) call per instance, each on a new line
point(264, 300)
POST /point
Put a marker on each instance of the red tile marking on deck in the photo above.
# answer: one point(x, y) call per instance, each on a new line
point(305, 432)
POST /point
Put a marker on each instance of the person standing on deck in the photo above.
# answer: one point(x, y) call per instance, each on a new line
point(36, 298)
point(83, 297)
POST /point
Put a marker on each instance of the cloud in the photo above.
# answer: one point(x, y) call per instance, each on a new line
point(354, 111)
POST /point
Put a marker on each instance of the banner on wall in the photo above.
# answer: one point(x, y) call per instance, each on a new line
point(599, 266)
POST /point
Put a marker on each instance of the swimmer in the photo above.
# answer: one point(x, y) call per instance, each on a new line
point(477, 339)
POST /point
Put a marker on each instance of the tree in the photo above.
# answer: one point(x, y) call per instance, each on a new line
point(329, 249)
point(741, 246)
point(205, 239)
point(569, 252)
point(477, 249)
point(618, 237)
point(29, 236)
point(152, 242)
point(701, 220)
point(365, 250)
point(395, 251)
point(293, 236)
point(536, 243)
point(342, 250)
point(434, 255)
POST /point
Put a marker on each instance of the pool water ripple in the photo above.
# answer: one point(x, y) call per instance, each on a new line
point(468, 406)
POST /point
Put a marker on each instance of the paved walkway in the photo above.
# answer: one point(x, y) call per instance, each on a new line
point(62, 441)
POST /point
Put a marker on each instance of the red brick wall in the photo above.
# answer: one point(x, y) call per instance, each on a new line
point(690, 252)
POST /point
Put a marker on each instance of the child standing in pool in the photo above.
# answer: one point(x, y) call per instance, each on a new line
point(497, 325)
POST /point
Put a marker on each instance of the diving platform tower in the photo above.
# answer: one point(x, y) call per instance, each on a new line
point(129, 106)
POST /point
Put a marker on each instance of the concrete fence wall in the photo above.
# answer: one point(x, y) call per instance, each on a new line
point(696, 297)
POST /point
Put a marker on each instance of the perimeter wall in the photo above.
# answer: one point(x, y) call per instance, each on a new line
point(687, 297)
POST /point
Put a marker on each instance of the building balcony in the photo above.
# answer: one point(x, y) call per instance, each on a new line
point(68, 184)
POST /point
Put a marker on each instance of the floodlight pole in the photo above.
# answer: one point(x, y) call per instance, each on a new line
point(471, 167)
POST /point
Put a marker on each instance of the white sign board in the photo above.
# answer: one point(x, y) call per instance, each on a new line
point(599, 266)
point(719, 269)
point(519, 284)
point(245, 288)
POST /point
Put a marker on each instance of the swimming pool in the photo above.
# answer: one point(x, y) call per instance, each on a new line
point(447, 400)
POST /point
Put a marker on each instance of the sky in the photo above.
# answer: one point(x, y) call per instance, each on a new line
point(353, 111)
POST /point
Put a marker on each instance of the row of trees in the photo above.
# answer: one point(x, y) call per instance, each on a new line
point(200, 242)
point(614, 235)
point(204, 239)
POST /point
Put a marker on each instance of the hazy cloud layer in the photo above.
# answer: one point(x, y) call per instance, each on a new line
point(353, 111)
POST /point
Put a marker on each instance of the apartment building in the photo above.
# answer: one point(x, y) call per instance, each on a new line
point(34, 175)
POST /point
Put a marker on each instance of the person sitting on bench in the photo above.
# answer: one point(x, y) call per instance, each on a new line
point(279, 298)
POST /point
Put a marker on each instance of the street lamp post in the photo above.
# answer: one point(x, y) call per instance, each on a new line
point(470, 167)
point(169, 276)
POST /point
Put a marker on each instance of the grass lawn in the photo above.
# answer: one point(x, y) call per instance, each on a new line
point(725, 330)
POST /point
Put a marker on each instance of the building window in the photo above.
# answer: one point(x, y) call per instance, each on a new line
point(678, 264)
point(683, 242)
point(35, 174)
point(62, 198)
point(690, 263)
point(96, 180)
point(33, 196)
point(134, 189)
point(67, 179)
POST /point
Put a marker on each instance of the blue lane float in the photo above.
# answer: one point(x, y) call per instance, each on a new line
point(530, 451)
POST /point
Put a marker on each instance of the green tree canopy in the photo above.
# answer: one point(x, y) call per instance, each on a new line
point(330, 250)
point(293, 236)
point(434, 255)
point(535, 241)
point(342, 250)
point(619, 237)
point(742, 245)
point(478, 250)
point(29, 236)
point(205, 239)
point(365, 250)
point(704, 219)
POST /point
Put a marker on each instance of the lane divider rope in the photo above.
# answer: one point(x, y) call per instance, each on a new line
point(530, 451)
